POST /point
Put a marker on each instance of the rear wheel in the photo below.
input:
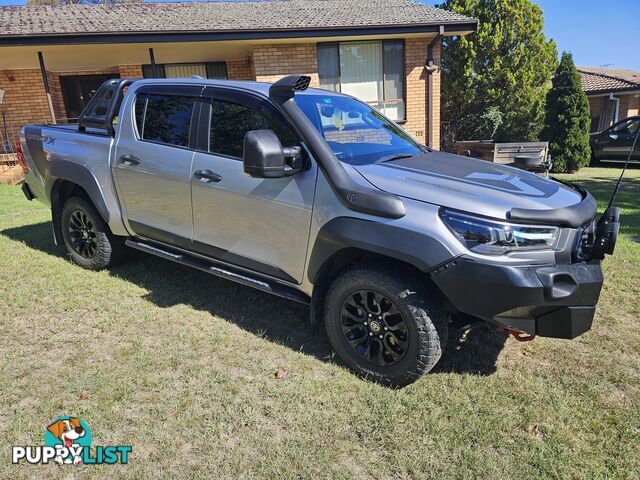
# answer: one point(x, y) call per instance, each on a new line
point(385, 324)
point(87, 237)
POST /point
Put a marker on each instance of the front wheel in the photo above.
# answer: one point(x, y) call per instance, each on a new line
point(385, 324)
point(87, 237)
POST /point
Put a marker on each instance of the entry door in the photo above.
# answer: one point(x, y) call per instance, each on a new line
point(260, 224)
point(153, 168)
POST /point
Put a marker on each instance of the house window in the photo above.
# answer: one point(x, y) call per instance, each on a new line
point(372, 71)
point(213, 70)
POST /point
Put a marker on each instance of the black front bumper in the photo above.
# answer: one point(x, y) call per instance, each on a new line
point(551, 301)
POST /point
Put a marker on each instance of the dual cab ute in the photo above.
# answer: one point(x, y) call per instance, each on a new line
point(317, 197)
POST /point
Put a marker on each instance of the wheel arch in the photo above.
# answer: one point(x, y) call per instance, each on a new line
point(345, 241)
point(61, 190)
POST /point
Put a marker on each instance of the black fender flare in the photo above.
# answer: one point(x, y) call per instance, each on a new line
point(64, 170)
point(80, 175)
point(415, 248)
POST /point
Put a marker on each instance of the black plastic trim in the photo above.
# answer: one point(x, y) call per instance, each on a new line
point(27, 191)
point(220, 270)
point(214, 253)
point(417, 249)
point(351, 194)
point(573, 216)
point(65, 170)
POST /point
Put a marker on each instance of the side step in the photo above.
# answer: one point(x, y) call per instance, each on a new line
point(221, 270)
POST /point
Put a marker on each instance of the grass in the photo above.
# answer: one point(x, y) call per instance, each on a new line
point(181, 366)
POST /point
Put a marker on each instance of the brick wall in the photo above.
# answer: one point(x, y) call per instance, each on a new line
point(240, 70)
point(24, 98)
point(417, 102)
point(26, 102)
point(629, 105)
point(130, 71)
point(434, 126)
point(272, 62)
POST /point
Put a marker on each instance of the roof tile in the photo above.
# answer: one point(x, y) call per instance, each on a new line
point(600, 79)
point(217, 16)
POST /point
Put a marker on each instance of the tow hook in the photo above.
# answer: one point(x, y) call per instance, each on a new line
point(517, 334)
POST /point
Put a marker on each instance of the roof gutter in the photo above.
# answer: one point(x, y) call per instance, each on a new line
point(619, 91)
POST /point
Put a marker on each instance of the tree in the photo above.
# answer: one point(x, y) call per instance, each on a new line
point(567, 119)
point(495, 80)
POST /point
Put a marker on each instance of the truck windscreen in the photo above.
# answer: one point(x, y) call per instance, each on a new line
point(356, 132)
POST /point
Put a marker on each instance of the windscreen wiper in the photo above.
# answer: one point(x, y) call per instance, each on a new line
point(391, 158)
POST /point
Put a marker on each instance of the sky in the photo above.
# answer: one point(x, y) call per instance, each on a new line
point(598, 33)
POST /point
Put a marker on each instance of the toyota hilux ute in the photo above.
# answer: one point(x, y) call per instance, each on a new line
point(317, 197)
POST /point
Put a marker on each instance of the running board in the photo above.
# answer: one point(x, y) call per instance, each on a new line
point(221, 270)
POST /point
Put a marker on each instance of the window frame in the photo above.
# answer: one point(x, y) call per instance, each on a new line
point(160, 68)
point(190, 91)
point(384, 88)
point(245, 99)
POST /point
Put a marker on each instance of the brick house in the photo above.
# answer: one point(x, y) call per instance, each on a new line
point(613, 95)
point(386, 52)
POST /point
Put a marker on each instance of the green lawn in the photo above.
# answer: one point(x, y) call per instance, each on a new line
point(181, 366)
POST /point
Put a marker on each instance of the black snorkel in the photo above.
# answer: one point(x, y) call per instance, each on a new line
point(351, 194)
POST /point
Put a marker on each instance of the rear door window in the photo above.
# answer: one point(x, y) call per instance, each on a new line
point(164, 118)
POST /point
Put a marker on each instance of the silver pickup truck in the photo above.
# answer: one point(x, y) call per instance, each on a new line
point(317, 197)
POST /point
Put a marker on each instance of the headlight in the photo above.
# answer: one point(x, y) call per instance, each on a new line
point(496, 238)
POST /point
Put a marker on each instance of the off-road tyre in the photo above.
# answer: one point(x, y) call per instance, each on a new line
point(420, 308)
point(105, 250)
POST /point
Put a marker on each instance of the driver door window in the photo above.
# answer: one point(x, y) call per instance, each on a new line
point(231, 121)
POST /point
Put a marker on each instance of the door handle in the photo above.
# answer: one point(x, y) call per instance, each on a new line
point(207, 176)
point(129, 160)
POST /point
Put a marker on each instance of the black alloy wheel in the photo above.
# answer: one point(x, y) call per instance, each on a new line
point(86, 236)
point(83, 234)
point(374, 327)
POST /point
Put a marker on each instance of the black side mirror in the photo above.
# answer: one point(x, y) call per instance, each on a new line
point(264, 156)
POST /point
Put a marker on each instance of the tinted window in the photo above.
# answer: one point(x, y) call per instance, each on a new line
point(626, 127)
point(356, 132)
point(230, 121)
point(166, 119)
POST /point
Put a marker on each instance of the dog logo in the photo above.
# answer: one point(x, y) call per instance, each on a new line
point(72, 434)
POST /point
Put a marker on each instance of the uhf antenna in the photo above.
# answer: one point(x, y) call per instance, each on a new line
point(633, 147)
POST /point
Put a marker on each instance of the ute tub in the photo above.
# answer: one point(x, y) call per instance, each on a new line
point(551, 301)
